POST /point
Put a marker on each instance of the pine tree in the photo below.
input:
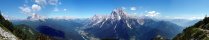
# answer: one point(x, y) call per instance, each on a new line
point(1, 17)
point(5, 23)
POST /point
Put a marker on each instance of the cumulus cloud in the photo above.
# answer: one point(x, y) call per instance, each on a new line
point(135, 13)
point(36, 7)
point(47, 2)
point(56, 9)
point(152, 14)
point(189, 18)
point(25, 9)
point(62, 17)
point(53, 2)
point(133, 8)
point(31, 11)
point(194, 17)
point(35, 16)
point(41, 2)
point(64, 9)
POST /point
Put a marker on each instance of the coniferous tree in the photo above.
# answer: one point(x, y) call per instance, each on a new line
point(199, 31)
point(5, 22)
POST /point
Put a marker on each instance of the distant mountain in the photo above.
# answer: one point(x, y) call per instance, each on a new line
point(198, 31)
point(8, 31)
point(117, 25)
point(183, 22)
point(66, 29)
point(120, 25)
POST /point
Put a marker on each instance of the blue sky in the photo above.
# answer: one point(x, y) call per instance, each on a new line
point(88, 8)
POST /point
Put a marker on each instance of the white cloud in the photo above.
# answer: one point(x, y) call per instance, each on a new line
point(53, 2)
point(47, 2)
point(30, 11)
point(178, 17)
point(64, 9)
point(152, 14)
point(35, 16)
point(62, 17)
point(25, 9)
point(8, 17)
point(56, 9)
point(133, 8)
point(41, 2)
point(195, 17)
point(134, 13)
point(186, 17)
point(36, 7)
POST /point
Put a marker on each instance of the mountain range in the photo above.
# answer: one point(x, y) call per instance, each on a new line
point(119, 25)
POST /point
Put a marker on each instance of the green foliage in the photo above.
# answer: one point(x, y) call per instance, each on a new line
point(6, 23)
point(24, 32)
point(199, 31)
point(206, 20)
point(1, 17)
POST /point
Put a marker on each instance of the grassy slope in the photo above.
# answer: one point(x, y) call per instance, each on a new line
point(23, 32)
point(199, 31)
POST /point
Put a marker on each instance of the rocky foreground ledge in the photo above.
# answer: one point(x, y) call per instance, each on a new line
point(5, 35)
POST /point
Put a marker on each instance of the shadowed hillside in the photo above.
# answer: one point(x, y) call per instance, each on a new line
point(22, 32)
point(199, 31)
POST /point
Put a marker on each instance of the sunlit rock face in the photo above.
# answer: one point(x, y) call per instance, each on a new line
point(5, 35)
point(120, 25)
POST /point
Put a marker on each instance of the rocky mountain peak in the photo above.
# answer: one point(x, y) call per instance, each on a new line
point(118, 13)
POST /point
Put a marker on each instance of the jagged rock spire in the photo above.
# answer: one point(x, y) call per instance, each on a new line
point(118, 13)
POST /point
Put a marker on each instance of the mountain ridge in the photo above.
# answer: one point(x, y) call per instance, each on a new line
point(119, 25)
point(198, 31)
